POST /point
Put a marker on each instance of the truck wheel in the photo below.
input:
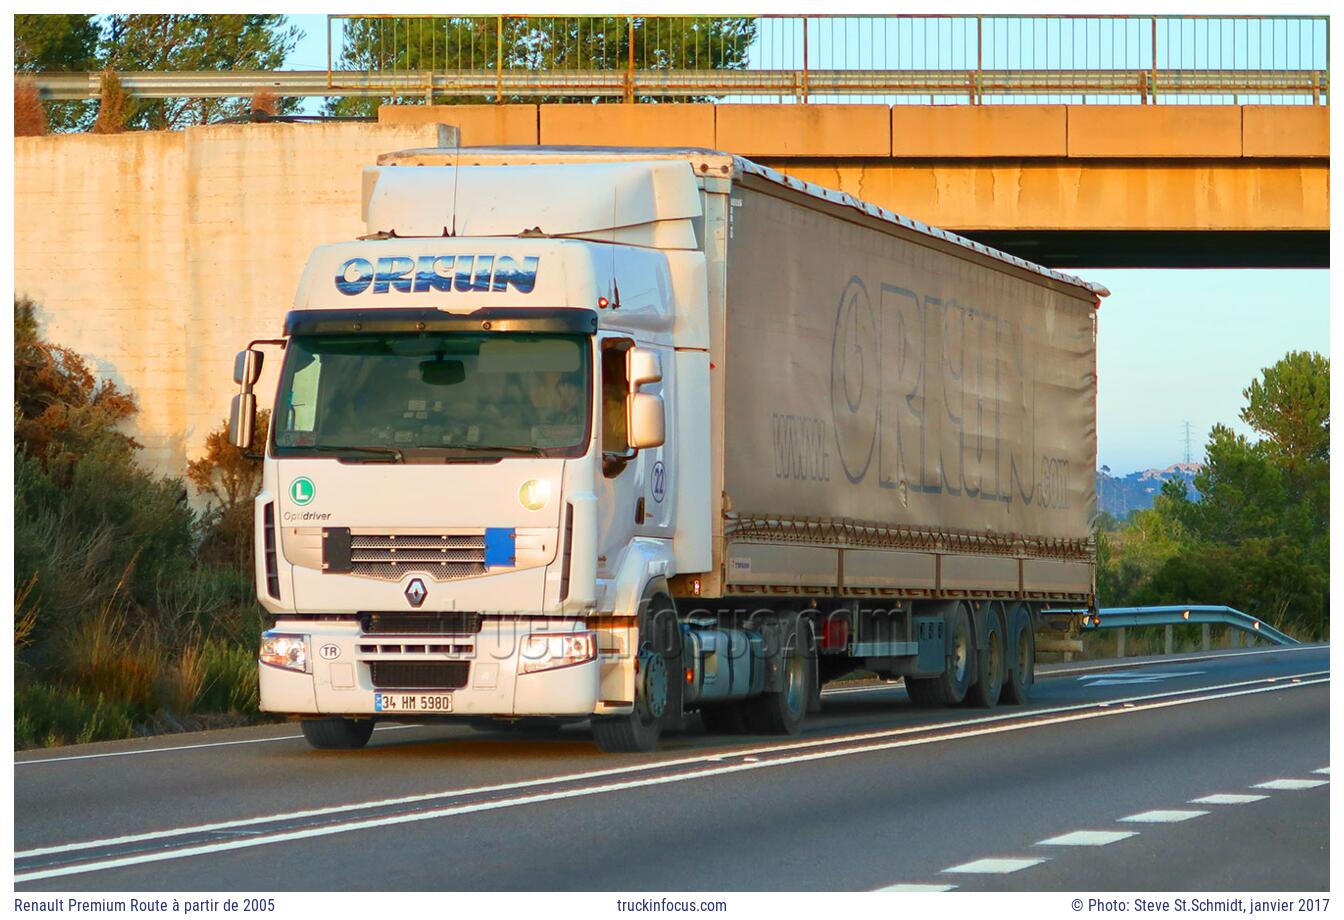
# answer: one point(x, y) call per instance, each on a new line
point(781, 712)
point(949, 688)
point(657, 667)
point(337, 734)
point(1022, 648)
point(989, 664)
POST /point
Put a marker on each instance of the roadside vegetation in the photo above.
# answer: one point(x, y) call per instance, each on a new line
point(1258, 538)
point(133, 612)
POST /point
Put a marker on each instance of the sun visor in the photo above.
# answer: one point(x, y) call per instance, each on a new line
point(545, 199)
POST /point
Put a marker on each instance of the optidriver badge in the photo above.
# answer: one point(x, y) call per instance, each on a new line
point(302, 491)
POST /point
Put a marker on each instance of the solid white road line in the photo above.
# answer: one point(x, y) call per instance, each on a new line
point(1163, 816)
point(914, 889)
point(1291, 784)
point(1086, 839)
point(1228, 798)
point(449, 811)
point(186, 747)
point(997, 866)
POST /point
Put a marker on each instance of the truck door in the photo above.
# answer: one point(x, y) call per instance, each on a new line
point(634, 489)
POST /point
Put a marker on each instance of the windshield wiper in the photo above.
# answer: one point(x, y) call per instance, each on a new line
point(393, 452)
point(528, 451)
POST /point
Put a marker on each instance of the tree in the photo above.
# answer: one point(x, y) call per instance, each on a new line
point(58, 42)
point(115, 106)
point(61, 413)
point(418, 44)
point(196, 41)
point(228, 479)
point(1291, 407)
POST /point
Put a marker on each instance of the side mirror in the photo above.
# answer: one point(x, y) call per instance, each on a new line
point(247, 368)
point(645, 420)
point(642, 367)
point(242, 419)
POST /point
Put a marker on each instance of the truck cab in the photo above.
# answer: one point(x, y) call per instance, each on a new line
point(471, 477)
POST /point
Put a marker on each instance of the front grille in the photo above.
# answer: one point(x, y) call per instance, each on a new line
point(419, 675)
point(438, 624)
point(442, 557)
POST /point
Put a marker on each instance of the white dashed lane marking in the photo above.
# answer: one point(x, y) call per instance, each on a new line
point(1325, 771)
point(912, 889)
point(1291, 784)
point(1228, 798)
point(1086, 839)
point(996, 866)
point(1163, 816)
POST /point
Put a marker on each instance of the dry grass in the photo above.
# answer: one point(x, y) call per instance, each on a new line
point(265, 102)
point(30, 116)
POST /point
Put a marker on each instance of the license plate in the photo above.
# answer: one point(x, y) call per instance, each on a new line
point(412, 702)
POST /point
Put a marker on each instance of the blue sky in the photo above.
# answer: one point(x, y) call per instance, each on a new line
point(1174, 345)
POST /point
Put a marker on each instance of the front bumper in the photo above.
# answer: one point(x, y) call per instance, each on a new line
point(340, 681)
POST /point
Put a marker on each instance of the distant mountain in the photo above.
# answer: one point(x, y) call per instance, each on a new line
point(1119, 495)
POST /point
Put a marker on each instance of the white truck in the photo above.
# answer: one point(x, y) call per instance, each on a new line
point(629, 435)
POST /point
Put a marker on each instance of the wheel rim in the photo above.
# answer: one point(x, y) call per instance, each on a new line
point(794, 679)
point(994, 655)
point(960, 654)
point(1024, 674)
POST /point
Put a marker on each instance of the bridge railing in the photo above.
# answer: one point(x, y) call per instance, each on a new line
point(922, 59)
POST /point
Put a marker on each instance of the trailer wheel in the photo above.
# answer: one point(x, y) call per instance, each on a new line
point(337, 734)
point(989, 663)
point(656, 670)
point(1022, 660)
point(949, 688)
point(781, 712)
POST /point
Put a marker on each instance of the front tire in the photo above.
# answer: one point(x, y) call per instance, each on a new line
point(656, 667)
point(337, 734)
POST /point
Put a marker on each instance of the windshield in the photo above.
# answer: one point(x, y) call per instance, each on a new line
point(388, 397)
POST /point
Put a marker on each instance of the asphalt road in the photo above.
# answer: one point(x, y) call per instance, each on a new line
point(1091, 788)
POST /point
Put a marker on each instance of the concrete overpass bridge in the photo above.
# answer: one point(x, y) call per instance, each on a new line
point(1115, 186)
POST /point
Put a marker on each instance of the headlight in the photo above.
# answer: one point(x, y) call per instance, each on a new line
point(284, 650)
point(558, 650)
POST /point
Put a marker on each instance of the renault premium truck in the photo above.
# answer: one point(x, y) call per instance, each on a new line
point(660, 439)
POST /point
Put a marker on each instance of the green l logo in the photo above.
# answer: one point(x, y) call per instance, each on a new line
point(301, 491)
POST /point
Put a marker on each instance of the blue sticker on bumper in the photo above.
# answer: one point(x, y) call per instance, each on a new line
point(499, 548)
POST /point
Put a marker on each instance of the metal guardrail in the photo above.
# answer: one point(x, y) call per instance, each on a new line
point(669, 84)
point(1122, 617)
point(909, 58)
point(895, 59)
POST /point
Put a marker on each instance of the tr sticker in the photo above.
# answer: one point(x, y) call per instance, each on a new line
point(330, 651)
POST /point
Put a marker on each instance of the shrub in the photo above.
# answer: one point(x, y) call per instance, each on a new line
point(30, 117)
point(115, 106)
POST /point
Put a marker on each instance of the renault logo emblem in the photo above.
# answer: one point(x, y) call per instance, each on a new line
point(416, 592)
